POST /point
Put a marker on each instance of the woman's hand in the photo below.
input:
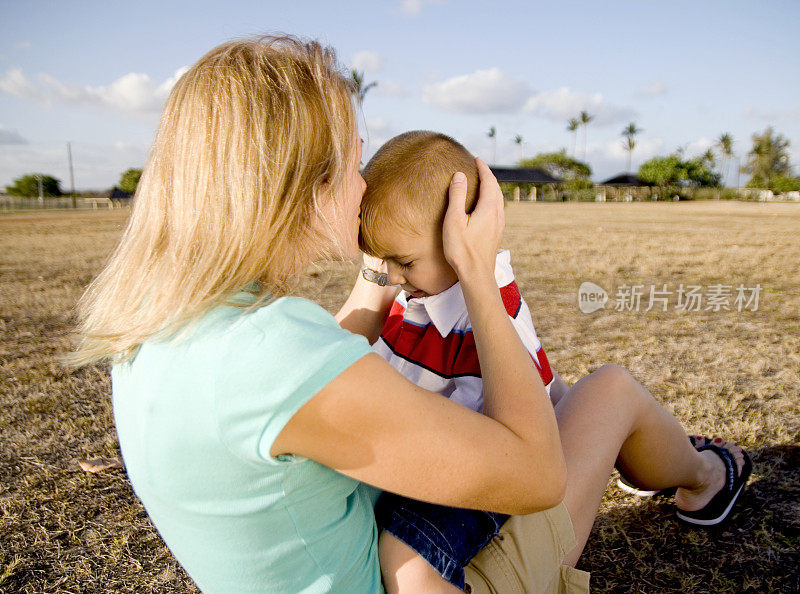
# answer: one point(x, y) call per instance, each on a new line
point(471, 241)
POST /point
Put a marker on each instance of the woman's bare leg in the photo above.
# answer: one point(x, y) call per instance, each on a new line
point(608, 417)
point(405, 572)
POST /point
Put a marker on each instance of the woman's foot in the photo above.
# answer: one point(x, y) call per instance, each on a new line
point(716, 476)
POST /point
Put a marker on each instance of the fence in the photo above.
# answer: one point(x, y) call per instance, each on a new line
point(513, 192)
point(16, 203)
point(599, 193)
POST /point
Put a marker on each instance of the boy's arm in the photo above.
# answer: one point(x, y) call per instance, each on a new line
point(366, 308)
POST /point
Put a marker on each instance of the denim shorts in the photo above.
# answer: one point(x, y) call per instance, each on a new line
point(446, 537)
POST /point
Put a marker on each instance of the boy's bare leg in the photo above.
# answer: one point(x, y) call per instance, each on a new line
point(405, 572)
point(607, 418)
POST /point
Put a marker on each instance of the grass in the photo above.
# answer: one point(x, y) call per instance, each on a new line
point(726, 373)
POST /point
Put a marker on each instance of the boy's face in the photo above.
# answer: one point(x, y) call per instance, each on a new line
point(417, 263)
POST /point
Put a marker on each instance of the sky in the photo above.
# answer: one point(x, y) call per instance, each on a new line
point(95, 74)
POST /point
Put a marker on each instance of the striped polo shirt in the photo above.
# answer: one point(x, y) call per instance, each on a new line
point(429, 339)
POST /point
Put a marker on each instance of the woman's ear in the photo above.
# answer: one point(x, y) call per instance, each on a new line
point(326, 208)
point(324, 192)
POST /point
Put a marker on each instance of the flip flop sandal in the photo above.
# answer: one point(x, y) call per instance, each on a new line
point(719, 508)
point(624, 483)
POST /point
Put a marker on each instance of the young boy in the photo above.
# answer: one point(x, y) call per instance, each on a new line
point(428, 336)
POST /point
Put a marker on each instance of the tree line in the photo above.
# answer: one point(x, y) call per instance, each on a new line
point(40, 184)
point(767, 162)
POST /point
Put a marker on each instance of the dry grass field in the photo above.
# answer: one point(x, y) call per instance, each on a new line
point(731, 373)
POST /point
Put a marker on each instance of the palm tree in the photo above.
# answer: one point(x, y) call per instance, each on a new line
point(768, 159)
point(709, 158)
point(585, 118)
point(629, 143)
point(725, 144)
point(359, 88)
point(518, 139)
point(572, 126)
point(492, 133)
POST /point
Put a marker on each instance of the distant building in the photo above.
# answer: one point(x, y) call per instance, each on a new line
point(116, 194)
point(111, 198)
point(526, 175)
point(625, 187)
point(625, 179)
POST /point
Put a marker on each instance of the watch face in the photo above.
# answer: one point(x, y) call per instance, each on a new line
point(373, 276)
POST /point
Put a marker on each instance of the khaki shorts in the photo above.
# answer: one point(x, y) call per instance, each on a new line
point(525, 557)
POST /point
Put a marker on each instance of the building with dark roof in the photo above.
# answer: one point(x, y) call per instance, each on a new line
point(116, 194)
point(532, 178)
point(625, 179)
point(523, 175)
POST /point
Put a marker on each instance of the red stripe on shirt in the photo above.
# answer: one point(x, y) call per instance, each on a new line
point(543, 366)
point(449, 356)
point(511, 298)
point(512, 301)
point(454, 354)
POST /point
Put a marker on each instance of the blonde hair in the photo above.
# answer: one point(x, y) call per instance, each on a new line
point(230, 194)
point(407, 186)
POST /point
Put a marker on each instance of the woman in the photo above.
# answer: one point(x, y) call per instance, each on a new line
point(251, 425)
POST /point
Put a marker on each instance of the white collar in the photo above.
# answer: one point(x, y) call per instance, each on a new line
point(445, 309)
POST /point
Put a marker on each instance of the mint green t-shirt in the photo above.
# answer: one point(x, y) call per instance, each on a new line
point(196, 418)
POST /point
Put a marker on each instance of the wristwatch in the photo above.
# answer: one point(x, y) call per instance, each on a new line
point(373, 276)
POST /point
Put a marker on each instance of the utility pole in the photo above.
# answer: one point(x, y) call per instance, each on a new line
point(71, 176)
point(738, 171)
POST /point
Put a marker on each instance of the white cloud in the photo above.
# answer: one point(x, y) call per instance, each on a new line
point(757, 113)
point(608, 158)
point(563, 104)
point(390, 88)
point(133, 92)
point(654, 89)
point(378, 131)
point(698, 147)
point(414, 7)
point(493, 91)
point(165, 87)
point(483, 91)
point(378, 125)
point(646, 148)
point(14, 82)
point(22, 45)
point(367, 61)
point(10, 136)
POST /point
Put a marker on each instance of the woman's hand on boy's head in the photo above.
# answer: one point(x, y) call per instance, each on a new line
point(471, 241)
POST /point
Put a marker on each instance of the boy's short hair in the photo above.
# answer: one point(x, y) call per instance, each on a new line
point(407, 186)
